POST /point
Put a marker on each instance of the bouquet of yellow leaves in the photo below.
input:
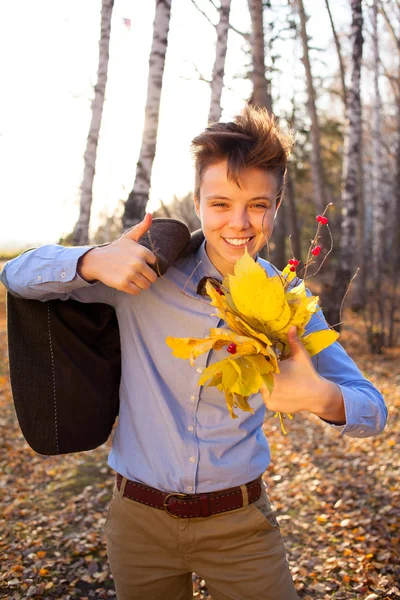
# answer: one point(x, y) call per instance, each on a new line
point(258, 310)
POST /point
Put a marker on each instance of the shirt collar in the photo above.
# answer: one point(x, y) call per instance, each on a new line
point(206, 268)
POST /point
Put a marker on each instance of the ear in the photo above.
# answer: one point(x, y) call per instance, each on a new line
point(196, 206)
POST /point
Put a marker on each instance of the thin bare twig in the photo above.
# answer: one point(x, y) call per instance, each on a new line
point(344, 298)
point(326, 255)
point(389, 25)
point(245, 36)
point(201, 76)
point(203, 13)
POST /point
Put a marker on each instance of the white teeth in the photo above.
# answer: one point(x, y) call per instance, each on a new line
point(237, 242)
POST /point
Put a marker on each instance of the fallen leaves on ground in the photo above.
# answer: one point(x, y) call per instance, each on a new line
point(337, 500)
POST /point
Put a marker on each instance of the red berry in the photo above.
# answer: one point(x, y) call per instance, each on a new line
point(315, 251)
point(292, 268)
point(232, 348)
point(291, 261)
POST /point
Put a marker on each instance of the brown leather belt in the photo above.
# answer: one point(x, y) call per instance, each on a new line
point(191, 505)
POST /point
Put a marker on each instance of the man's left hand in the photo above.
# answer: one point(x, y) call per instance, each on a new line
point(299, 387)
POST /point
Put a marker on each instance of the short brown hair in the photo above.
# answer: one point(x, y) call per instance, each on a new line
point(252, 139)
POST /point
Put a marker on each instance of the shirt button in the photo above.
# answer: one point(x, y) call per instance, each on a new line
point(39, 278)
point(63, 274)
point(189, 488)
point(199, 369)
point(192, 398)
point(192, 459)
point(190, 428)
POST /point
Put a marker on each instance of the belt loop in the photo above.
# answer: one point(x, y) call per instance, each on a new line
point(122, 488)
point(245, 495)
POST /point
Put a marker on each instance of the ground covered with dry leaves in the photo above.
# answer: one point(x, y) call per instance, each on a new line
point(337, 499)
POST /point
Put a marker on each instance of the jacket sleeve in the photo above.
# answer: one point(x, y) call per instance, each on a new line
point(49, 273)
point(366, 413)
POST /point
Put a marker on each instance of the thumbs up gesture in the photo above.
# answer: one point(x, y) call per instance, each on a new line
point(123, 264)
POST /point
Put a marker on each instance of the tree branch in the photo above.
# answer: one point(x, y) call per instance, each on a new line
point(389, 25)
point(339, 53)
point(203, 13)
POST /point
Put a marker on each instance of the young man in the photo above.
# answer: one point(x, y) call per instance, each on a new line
point(176, 450)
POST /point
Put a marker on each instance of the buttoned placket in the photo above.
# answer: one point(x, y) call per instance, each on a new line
point(193, 452)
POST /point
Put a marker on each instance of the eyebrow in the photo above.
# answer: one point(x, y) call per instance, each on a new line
point(218, 197)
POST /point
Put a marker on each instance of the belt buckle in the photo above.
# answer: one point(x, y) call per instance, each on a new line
point(165, 506)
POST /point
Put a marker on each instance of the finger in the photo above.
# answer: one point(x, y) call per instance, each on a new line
point(149, 273)
point(136, 232)
point(142, 282)
point(131, 288)
point(146, 255)
point(294, 341)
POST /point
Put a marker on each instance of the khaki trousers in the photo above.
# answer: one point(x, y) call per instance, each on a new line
point(240, 554)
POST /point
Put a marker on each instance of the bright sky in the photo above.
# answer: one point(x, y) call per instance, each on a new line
point(51, 51)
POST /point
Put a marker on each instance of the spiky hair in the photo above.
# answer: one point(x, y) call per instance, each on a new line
point(252, 139)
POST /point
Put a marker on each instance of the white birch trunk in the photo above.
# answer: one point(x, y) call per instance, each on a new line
point(135, 205)
point(378, 200)
point(261, 94)
point(350, 192)
point(81, 231)
point(317, 175)
point(217, 81)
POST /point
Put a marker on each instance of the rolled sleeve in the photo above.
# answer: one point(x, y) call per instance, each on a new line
point(365, 409)
point(50, 272)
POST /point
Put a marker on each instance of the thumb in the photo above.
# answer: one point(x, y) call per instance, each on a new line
point(294, 341)
point(136, 232)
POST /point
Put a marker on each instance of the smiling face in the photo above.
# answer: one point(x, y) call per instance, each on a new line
point(234, 218)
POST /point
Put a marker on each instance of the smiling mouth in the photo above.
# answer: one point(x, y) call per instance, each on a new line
point(237, 242)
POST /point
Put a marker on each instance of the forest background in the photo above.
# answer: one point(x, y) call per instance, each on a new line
point(328, 70)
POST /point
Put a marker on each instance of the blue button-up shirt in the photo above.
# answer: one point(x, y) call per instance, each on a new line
point(172, 434)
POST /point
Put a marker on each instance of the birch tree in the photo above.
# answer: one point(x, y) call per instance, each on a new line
point(81, 230)
point(217, 80)
point(261, 95)
point(135, 205)
point(350, 249)
point(320, 196)
point(378, 205)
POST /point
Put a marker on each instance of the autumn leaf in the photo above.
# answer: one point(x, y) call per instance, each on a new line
point(319, 340)
point(258, 311)
point(256, 296)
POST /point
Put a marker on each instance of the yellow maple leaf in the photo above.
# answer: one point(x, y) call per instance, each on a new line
point(256, 296)
point(258, 311)
point(319, 340)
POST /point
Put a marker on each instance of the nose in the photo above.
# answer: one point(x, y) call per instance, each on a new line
point(239, 220)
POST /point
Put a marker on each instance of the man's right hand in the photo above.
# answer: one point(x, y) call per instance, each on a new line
point(123, 264)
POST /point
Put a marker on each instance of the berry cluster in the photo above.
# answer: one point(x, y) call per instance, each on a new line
point(315, 251)
point(293, 262)
point(322, 220)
